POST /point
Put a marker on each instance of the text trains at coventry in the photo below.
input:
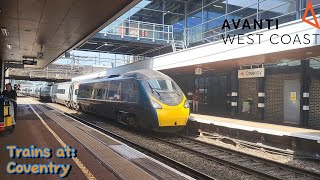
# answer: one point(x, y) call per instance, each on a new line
point(145, 99)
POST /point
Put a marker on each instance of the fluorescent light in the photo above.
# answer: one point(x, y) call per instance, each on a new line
point(88, 42)
point(9, 46)
point(4, 31)
point(217, 6)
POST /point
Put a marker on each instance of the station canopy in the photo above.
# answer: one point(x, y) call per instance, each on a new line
point(43, 30)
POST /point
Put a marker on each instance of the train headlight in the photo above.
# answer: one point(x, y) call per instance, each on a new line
point(186, 104)
point(156, 105)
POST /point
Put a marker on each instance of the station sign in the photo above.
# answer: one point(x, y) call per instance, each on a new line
point(251, 73)
point(29, 62)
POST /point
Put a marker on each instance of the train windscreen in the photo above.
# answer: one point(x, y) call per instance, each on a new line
point(166, 91)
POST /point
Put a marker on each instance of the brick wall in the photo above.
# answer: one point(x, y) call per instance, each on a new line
point(314, 113)
point(248, 88)
point(274, 88)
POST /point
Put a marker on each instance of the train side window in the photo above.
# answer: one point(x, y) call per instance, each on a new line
point(98, 93)
point(119, 95)
point(85, 91)
point(106, 87)
point(59, 91)
point(125, 89)
point(134, 91)
point(130, 90)
point(112, 94)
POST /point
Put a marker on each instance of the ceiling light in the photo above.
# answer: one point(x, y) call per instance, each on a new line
point(4, 31)
point(88, 42)
point(217, 6)
point(9, 46)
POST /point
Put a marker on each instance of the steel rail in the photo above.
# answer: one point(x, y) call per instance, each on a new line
point(265, 175)
point(173, 163)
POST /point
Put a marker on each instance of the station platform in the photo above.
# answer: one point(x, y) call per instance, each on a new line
point(281, 135)
point(97, 156)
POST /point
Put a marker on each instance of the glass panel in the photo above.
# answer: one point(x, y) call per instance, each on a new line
point(150, 4)
point(85, 91)
point(214, 11)
point(113, 89)
point(175, 7)
point(284, 11)
point(194, 18)
point(315, 64)
point(315, 5)
point(147, 15)
point(162, 85)
point(129, 89)
point(194, 5)
point(208, 2)
point(98, 93)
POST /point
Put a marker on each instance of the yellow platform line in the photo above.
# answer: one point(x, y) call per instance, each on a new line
point(81, 166)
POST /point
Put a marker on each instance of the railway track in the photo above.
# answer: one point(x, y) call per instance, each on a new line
point(252, 165)
point(171, 162)
point(255, 166)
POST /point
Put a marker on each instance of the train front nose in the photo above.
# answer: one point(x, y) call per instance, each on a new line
point(177, 116)
point(174, 115)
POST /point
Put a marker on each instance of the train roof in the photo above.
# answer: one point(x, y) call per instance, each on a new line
point(145, 74)
point(142, 74)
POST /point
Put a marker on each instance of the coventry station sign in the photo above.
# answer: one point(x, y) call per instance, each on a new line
point(251, 73)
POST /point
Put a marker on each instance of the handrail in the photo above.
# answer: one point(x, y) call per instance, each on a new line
point(140, 30)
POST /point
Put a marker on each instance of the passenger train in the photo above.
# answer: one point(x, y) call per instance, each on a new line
point(144, 99)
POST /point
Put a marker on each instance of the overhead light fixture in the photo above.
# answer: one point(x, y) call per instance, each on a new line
point(4, 31)
point(9, 46)
point(217, 6)
point(88, 42)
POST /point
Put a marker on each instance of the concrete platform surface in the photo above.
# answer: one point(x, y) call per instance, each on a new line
point(265, 128)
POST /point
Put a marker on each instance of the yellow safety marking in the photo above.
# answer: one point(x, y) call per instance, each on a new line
point(81, 166)
point(169, 115)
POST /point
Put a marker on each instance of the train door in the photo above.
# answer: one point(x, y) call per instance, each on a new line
point(75, 94)
point(70, 93)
